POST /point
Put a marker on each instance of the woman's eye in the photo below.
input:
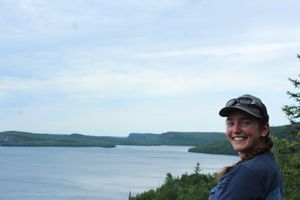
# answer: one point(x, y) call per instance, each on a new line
point(245, 122)
point(229, 123)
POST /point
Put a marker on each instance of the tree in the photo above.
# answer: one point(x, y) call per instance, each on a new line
point(293, 111)
point(288, 151)
point(195, 186)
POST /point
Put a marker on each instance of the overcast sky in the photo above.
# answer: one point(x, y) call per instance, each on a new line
point(101, 67)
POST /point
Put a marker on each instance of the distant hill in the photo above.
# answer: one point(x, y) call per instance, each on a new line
point(18, 138)
point(176, 138)
point(281, 131)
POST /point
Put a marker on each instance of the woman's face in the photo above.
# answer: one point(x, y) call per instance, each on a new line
point(243, 132)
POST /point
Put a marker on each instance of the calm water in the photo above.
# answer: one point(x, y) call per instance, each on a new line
point(58, 173)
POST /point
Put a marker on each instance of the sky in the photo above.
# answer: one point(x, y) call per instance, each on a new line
point(99, 67)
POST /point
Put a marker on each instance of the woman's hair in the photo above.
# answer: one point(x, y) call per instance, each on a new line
point(263, 147)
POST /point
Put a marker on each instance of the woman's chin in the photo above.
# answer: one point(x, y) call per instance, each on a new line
point(239, 148)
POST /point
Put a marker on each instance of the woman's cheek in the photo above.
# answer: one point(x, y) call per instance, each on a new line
point(228, 133)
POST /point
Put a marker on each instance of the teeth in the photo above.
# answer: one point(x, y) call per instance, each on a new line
point(238, 138)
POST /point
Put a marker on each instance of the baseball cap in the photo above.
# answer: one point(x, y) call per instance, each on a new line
point(247, 103)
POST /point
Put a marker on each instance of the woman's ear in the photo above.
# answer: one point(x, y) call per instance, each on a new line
point(265, 130)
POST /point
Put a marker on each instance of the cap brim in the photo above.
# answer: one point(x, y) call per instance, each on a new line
point(224, 112)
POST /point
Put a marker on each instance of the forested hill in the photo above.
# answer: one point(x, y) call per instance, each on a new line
point(176, 138)
point(17, 138)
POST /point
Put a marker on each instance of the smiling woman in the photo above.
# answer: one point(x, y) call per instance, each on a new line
point(244, 141)
point(256, 175)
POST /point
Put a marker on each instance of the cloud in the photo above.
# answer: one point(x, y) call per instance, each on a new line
point(142, 83)
point(246, 50)
point(139, 60)
point(120, 69)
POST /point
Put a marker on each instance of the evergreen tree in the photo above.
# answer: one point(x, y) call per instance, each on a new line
point(288, 151)
point(293, 111)
point(195, 186)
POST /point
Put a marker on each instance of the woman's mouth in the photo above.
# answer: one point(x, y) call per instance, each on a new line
point(238, 138)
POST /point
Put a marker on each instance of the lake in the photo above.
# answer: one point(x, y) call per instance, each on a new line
point(90, 173)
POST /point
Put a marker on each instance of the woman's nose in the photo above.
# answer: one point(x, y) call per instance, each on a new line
point(236, 128)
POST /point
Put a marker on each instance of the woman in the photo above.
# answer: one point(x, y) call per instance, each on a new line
point(256, 175)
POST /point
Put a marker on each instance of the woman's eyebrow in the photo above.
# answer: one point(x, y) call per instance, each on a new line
point(246, 118)
point(242, 118)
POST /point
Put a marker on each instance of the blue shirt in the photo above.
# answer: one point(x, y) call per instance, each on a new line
point(256, 179)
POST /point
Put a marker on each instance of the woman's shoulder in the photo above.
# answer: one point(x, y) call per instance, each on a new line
point(261, 163)
point(254, 178)
point(265, 169)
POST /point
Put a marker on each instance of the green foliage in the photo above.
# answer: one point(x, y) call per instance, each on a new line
point(195, 186)
point(288, 158)
point(293, 111)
